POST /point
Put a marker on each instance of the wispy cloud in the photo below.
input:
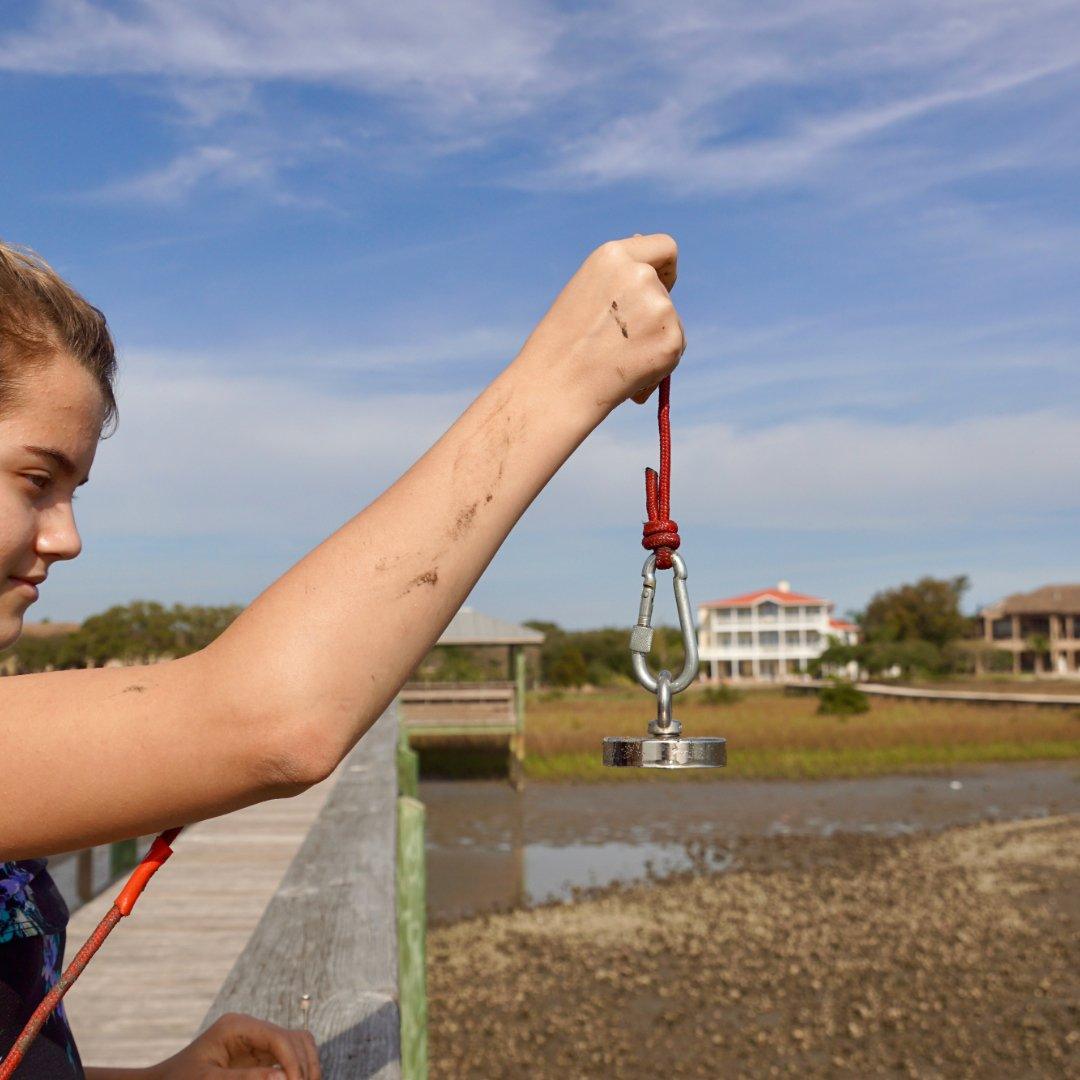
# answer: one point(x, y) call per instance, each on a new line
point(308, 443)
point(278, 464)
point(742, 97)
point(452, 57)
point(224, 166)
point(701, 97)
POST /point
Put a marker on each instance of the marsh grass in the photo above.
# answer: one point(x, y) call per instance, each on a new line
point(773, 735)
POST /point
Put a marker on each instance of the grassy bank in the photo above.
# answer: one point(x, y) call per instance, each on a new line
point(772, 735)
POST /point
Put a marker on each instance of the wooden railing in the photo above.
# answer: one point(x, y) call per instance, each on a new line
point(974, 697)
point(340, 947)
point(445, 710)
point(81, 875)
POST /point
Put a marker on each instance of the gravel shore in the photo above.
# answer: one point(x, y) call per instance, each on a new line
point(946, 955)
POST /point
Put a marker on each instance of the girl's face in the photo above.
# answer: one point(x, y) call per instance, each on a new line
point(48, 436)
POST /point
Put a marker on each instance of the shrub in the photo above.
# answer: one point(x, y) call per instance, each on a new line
point(720, 695)
point(568, 668)
point(842, 699)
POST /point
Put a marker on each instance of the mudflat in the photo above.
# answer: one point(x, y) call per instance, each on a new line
point(952, 954)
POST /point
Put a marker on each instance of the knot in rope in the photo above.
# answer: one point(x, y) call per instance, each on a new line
point(660, 533)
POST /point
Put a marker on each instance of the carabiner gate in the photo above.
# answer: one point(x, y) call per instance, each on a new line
point(641, 634)
point(664, 747)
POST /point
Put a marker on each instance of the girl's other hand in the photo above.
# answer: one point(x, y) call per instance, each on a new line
point(238, 1047)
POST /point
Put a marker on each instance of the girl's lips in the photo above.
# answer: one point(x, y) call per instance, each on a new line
point(30, 588)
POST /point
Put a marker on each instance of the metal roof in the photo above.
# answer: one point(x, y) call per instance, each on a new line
point(469, 627)
point(780, 596)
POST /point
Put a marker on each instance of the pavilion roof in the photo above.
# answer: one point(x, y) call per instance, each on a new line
point(471, 627)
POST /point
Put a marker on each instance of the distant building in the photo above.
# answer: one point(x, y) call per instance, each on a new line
point(49, 629)
point(1041, 630)
point(771, 634)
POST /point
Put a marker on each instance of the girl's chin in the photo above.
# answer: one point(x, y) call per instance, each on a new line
point(10, 629)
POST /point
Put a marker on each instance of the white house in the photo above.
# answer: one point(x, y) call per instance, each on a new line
point(770, 634)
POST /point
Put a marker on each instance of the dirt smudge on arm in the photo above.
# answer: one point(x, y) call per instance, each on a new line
point(614, 309)
point(428, 577)
point(464, 522)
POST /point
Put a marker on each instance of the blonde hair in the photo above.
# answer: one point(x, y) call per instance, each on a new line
point(42, 315)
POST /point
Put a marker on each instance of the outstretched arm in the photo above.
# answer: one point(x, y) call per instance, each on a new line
point(287, 690)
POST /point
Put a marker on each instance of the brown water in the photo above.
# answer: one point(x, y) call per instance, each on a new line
point(489, 847)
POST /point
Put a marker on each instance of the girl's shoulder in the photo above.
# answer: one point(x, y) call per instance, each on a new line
point(30, 903)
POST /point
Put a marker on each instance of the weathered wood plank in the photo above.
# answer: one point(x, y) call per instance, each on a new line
point(412, 937)
point(330, 930)
point(147, 990)
point(461, 718)
point(973, 697)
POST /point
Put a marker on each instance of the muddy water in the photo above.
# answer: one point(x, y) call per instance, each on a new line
point(489, 847)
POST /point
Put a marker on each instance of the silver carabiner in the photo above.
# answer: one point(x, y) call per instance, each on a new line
point(641, 634)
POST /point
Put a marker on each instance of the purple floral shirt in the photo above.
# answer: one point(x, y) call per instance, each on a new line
point(33, 921)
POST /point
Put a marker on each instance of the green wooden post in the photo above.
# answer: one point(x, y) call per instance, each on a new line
point(519, 687)
point(122, 857)
point(517, 740)
point(412, 934)
point(408, 766)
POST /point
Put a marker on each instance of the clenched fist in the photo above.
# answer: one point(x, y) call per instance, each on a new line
point(613, 328)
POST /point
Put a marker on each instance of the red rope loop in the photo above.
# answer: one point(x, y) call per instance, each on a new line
point(661, 534)
point(151, 862)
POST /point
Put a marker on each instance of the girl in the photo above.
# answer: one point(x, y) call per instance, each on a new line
point(271, 707)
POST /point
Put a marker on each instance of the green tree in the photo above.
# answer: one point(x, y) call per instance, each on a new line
point(568, 668)
point(928, 610)
point(604, 654)
point(1040, 646)
point(837, 654)
point(913, 657)
point(456, 663)
point(139, 631)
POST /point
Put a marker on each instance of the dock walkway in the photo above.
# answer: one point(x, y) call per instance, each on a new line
point(971, 697)
point(145, 994)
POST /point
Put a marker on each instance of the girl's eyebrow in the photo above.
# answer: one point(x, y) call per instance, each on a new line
point(61, 460)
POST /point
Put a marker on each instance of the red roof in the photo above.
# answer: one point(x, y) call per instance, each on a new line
point(747, 599)
point(841, 624)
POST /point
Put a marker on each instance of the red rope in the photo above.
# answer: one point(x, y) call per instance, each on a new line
point(158, 853)
point(661, 534)
point(52, 998)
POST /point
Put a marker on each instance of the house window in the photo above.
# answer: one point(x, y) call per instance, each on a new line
point(769, 638)
point(812, 637)
point(743, 614)
point(746, 638)
point(813, 612)
point(1001, 629)
point(724, 641)
point(768, 610)
point(791, 637)
point(793, 614)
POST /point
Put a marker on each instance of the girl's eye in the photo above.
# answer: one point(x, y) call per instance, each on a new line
point(39, 481)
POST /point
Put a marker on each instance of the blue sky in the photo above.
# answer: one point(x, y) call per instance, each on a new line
point(318, 229)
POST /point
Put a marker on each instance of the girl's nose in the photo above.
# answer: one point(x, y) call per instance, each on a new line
point(59, 537)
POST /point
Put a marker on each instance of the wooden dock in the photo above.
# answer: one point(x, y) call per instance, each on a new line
point(971, 697)
point(318, 898)
point(145, 994)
